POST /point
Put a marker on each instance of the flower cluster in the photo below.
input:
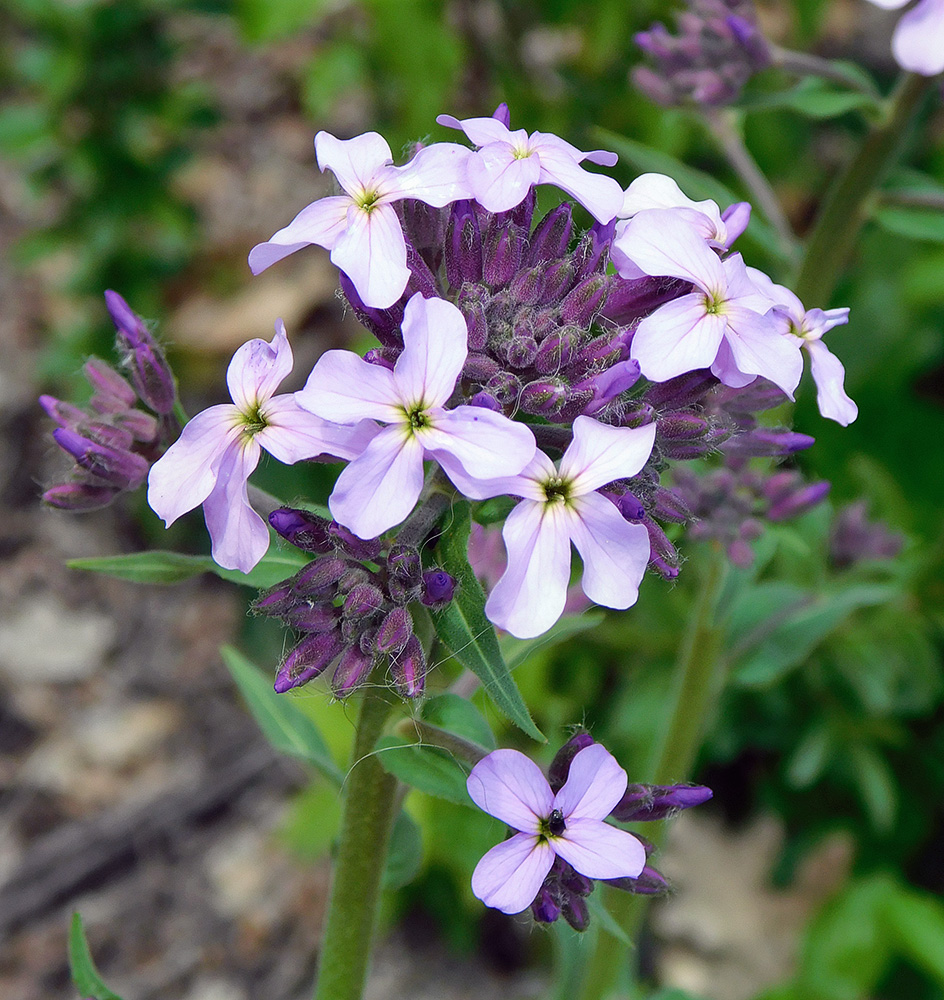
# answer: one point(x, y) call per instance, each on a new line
point(563, 844)
point(114, 442)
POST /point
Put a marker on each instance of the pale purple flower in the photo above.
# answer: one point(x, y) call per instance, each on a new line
point(560, 506)
point(806, 327)
point(508, 164)
point(569, 825)
point(361, 227)
point(918, 42)
point(721, 325)
point(381, 486)
point(211, 461)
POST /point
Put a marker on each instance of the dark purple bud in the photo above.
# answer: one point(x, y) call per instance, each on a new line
point(502, 254)
point(347, 541)
point(583, 303)
point(600, 353)
point(320, 575)
point(423, 224)
point(150, 372)
point(421, 278)
point(648, 883)
point(545, 397)
point(799, 501)
point(653, 802)
point(608, 384)
point(65, 414)
point(736, 218)
point(402, 593)
point(544, 322)
point(403, 562)
point(575, 912)
point(384, 324)
point(637, 415)
point(592, 252)
point(505, 387)
point(408, 669)
point(108, 435)
point(630, 300)
point(307, 660)
point(480, 368)
point(551, 236)
point(759, 395)
point(522, 215)
point(560, 766)
point(681, 391)
point(141, 426)
point(438, 588)
point(307, 616)
point(682, 451)
point(668, 505)
point(544, 909)
point(362, 602)
point(521, 349)
point(383, 357)
point(558, 278)
point(575, 883)
point(353, 577)
point(855, 538)
point(353, 669)
point(471, 303)
point(555, 352)
point(502, 114)
point(751, 40)
point(629, 505)
point(486, 400)
point(463, 249)
point(123, 469)
point(663, 567)
point(767, 442)
point(303, 529)
point(527, 286)
point(394, 632)
point(275, 601)
point(662, 551)
point(681, 425)
point(79, 497)
point(113, 394)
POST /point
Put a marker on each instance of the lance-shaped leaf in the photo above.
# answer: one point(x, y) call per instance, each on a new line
point(84, 974)
point(426, 768)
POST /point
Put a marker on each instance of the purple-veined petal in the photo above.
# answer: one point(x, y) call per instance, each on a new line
point(600, 453)
point(829, 375)
point(481, 131)
point(659, 191)
point(353, 161)
point(615, 553)
point(595, 783)
point(820, 321)
point(736, 219)
point(541, 141)
point(498, 179)
point(381, 486)
point(322, 222)
point(678, 337)
point(778, 294)
point(292, 434)
point(758, 349)
point(486, 444)
point(184, 476)
point(372, 253)
point(744, 291)
point(508, 877)
point(511, 787)
point(918, 42)
point(344, 388)
point(526, 484)
point(599, 850)
point(600, 195)
point(435, 346)
point(725, 369)
point(436, 176)
point(663, 242)
point(258, 369)
point(240, 537)
point(531, 594)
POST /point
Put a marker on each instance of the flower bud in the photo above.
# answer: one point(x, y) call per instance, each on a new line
point(353, 669)
point(502, 254)
point(64, 414)
point(463, 247)
point(150, 372)
point(551, 237)
point(649, 882)
point(408, 670)
point(583, 303)
point(575, 883)
point(78, 496)
point(383, 357)
point(307, 660)
point(320, 575)
point(521, 350)
point(527, 286)
point(115, 467)
point(505, 387)
point(559, 770)
point(630, 300)
point(558, 277)
point(384, 324)
point(574, 910)
point(360, 548)
point(403, 562)
point(609, 384)
point(767, 442)
point(362, 602)
point(438, 588)
point(591, 253)
point(545, 397)
point(275, 601)
point(486, 400)
point(668, 505)
point(601, 352)
point(303, 529)
point(683, 390)
point(471, 302)
point(113, 394)
point(630, 506)
point(653, 802)
point(394, 632)
point(421, 277)
point(141, 426)
point(544, 908)
point(480, 368)
point(798, 501)
point(555, 352)
point(308, 616)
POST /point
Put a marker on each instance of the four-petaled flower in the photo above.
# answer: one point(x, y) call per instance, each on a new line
point(722, 324)
point(560, 506)
point(217, 451)
point(360, 227)
point(381, 486)
point(508, 164)
point(807, 326)
point(509, 786)
point(918, 42)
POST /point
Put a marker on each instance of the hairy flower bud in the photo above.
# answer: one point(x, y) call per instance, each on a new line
point(560, 766)
point(653, 802)
point(505, 387)
point(471, 302)
point(360, 548)
point(527, 286)
point(78, 496)
point(551, 237)
point(353, 669)
point(384, 324)
point(544, 908)
point(308, 616)
point(408, 669)
point(320, 575)
point(463, 249)
point(582, 304)
point(394, 632)
point(545, 397)
point(649, 882)
point(307, 660)
point(303, 529)
point(363, 601)
point(150, 372)
point(503, 248)
point(438, 588)
point(113, 394)
point(403, 562)
point(113, 466)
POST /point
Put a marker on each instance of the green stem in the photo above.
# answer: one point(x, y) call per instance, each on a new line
point(845, 207)
point(806, 64)
point(696, 688)
point(367, 818)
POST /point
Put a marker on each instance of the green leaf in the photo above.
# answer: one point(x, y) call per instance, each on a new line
point(924, 224)
point(810, 757)
point(876, 784)
point(158, 566)
point(607, 921)
point(84, 974)
point(916, 922)
point(516, 651)
point(466, 632)
point(405, 854)
point(458, 715)
point(815, 98)
point(264, 21)
point(426, 768)
point(284, 725)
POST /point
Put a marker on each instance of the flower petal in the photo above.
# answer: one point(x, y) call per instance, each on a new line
point(758, 349)
point(240, 536)
point(292, 434)
point(678, 337)
point(258, 369)
point(480, 130)
point(184, 476)
point(725, 369)
point(381, 486)
point(498, 179)
point(511, 787)
point(372, 253)
point(615, 552)
point(595, 783)
point(531, 594)
point(509, 876)
point(436, 175)
point(600, 453)
point(918, 42)
point(599, 850)
point(344, 388)
point(354, 162)
point(435, 346)
point(829, 375)
point(659, 191)
point(600, 195)
point(486, 444)
point(322, 222)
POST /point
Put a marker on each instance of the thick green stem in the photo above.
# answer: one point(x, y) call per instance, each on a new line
point(845, 207)
point(368, 814)
point(696, 688)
